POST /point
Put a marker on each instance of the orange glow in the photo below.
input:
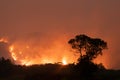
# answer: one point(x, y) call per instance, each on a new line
point(27, 63)
point(3, 40)
point(12, 53)
point(33, 52)
point(64, 62)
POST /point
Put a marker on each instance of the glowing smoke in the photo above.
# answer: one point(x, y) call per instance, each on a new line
point(4, 48)
point(33, 51)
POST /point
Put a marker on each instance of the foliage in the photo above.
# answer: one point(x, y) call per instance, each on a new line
point(89, 48)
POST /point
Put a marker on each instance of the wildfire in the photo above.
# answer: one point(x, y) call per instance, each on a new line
point(33, 52)
point(25, 54)
point(64, 62)
point(12, 53)
point(27, 63)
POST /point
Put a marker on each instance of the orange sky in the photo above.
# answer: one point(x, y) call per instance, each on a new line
point(46, 23)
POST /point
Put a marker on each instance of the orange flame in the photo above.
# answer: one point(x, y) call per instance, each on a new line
point(12, 53)
point(4, 40)
point(27, 53)
point(64, 62)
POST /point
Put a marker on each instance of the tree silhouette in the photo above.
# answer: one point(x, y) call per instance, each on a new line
point(88, 48)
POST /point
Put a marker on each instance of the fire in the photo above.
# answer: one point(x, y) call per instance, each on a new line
point(4, 40)
point(30, 54)
point(40, 52)
point(27, 53)
point(27, 63)
point(64, 62)
point(12, 53)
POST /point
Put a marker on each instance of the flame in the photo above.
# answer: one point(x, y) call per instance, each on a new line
point(4, 40)
point(30, 53)
point(64, 62)
point(26, 53)
point(13, 53)
point(27, 63)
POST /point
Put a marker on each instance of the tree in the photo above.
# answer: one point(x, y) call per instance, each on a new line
point(89, 48)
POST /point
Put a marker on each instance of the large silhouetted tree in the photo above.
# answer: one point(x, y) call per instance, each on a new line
point(88, 48)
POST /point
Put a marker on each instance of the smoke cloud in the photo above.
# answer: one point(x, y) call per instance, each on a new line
point(47, 25)
point(4, 50)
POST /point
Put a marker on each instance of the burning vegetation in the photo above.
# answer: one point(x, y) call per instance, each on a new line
point(32, 52)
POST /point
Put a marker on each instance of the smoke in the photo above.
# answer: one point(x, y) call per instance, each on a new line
point(41, 49)
point(45, 27)
point(4, 49)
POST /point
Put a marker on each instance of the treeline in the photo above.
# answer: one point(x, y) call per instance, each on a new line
point(10, 71)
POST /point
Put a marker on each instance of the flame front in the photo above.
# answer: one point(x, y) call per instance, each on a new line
point(34, 52)
point(27, 53)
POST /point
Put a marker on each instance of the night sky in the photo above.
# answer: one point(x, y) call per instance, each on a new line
point(47, 23)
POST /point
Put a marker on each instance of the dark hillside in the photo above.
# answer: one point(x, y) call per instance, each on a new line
point(9, 71)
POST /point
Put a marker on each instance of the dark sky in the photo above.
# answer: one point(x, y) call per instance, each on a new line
point(27, 19)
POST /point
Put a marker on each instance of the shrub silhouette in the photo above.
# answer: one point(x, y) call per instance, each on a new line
point(5, 67)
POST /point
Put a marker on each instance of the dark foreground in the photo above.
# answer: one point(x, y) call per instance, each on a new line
point(53, 72)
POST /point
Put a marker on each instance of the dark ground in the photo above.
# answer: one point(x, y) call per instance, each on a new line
point(9, 71)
